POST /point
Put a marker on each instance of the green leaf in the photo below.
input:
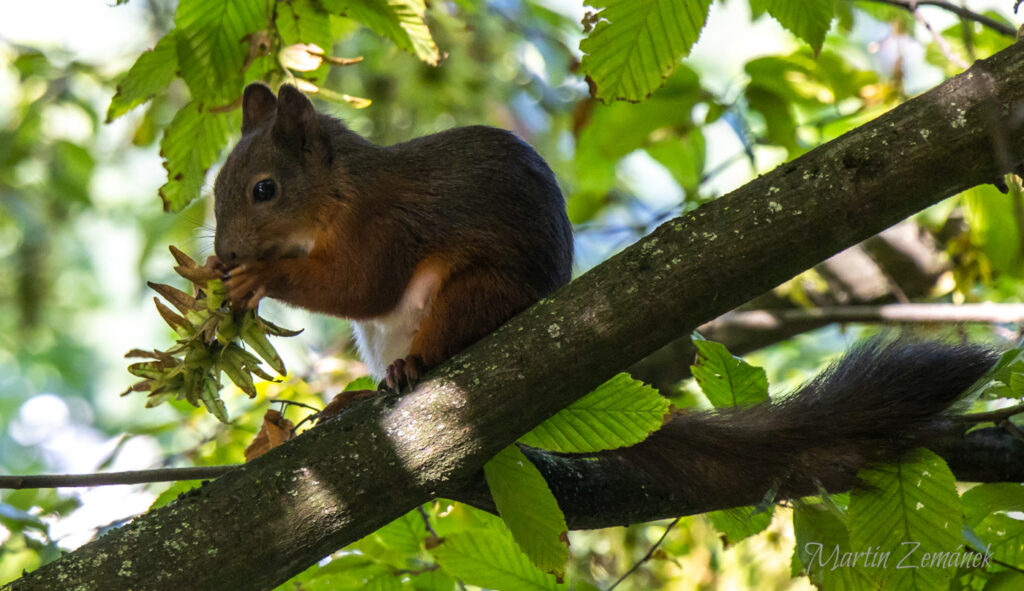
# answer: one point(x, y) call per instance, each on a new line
point(909, 507)
point(174, 491)
point(807, 19)
point(401, 21)
point(727, 380)
point(190, 146)
point(211, 40)
point(636, 44)
point(822, 545)
point(149, 76)
point(739, 523)
point(1005, 580)
point(993, 225)
point(1004, 537)
point(619, 413)
point(529, 509)
point(404, 535)
point(363, 383)
point(490, 559)
point(988, 498)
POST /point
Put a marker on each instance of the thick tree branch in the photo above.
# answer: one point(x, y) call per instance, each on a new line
point(330, 486)
point(899, 264)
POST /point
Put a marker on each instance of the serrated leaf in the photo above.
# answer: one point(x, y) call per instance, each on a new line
point(401, 21)
point(528, 508)
point(739, 523)
point(727, 380)
point(491, 559)
point(190, 145)
point(1004, 538)
point(822, 542)
point(987, 498)
point(152, 72)
point(636, 44)
point(807, 19)
point(212, 47)
point(619, 413)
point(902, 505)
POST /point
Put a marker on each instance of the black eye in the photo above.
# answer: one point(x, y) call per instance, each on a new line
point(264, 191)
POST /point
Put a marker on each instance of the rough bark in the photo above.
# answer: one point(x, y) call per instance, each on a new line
point(259, 525)
point(902, 263)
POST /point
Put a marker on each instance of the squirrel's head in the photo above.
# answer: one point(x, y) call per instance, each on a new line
point(271, 188)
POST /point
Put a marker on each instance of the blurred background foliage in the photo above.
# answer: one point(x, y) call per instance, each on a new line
point(82, 228)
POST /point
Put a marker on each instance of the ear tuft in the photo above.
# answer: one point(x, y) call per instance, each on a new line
point(258, 106)
point(297, 125)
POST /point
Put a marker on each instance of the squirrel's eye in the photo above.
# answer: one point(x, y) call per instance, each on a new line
point(264, 191)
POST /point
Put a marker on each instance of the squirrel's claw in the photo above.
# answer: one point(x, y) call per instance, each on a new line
point(244, 287)
point(403, 374)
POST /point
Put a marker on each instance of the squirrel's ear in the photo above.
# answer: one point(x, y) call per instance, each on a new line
point(297, 125)
point(258, 105)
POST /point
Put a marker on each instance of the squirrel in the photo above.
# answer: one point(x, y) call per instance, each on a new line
point(431, 244)
point(426, 245)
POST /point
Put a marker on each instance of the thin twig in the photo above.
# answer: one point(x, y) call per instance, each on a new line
point(994, 561)
point(647, 556)
point(888, 313)
point(992, 416)
point(108, 478)
point(426, 521)
point(940, 42)
point(964, 13)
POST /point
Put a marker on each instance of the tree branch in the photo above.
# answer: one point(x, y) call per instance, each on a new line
point(962, 12)
point(112, 478)
point(771, 320)
point(273, 517)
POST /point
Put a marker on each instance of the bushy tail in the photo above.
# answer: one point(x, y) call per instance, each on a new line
point(867, 407)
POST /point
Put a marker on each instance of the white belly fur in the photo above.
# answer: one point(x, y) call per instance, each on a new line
point(388, 337)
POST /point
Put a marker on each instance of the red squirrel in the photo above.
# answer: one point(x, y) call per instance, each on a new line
point(430, 244)
point(426, 245)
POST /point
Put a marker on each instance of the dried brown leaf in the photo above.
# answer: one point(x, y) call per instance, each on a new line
point(275, 430)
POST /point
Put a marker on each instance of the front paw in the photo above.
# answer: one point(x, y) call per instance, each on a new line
point(244, 286)
point(403, 374)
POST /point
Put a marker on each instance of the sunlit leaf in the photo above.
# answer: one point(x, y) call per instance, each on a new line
point(619, 413)
point(401, 21)
point(491, 559)
point(727, 380)
point(636, 44)
point(807, 19)
point(149, 76)
point(190, 146)
point(529, 509)
point(211, 41)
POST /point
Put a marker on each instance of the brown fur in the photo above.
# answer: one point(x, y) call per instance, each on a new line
point(352, 221)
